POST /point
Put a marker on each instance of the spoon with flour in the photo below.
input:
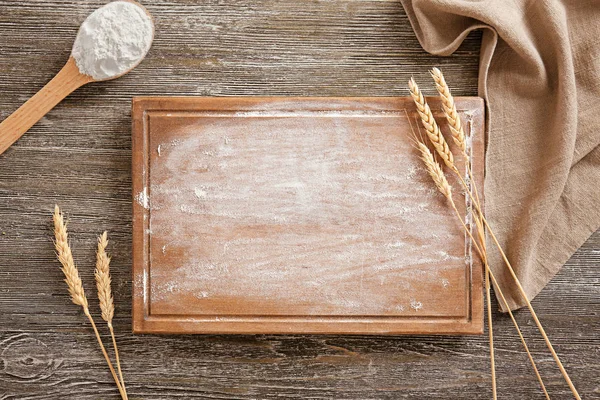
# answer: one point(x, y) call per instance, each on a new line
point(112, 41)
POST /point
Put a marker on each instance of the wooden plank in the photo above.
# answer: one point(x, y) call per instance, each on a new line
point(296, 215)
point(79, 155)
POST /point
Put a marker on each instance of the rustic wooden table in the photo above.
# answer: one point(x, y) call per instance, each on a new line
point(79, 157)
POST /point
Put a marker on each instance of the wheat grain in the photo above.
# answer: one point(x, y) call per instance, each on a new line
point(449, 106)
point(431, 127)
point(65, 256)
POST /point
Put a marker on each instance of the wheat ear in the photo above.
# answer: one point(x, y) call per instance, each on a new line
point(65, 256)
point(105, 297)
point(103, 280)
point(456, 128)
point(431, 127)
point(435, 171)
point(455, 123)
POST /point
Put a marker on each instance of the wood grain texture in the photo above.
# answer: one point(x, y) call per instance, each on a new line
point(297, 215)
point(79, 156)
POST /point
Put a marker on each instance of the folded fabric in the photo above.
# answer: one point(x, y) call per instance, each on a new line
point(540, 76)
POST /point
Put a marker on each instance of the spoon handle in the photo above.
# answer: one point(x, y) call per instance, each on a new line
point(65, 82)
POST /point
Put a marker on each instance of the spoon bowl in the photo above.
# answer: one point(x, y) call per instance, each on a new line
point(86, 41)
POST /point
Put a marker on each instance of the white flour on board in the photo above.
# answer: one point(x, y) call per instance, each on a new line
point(143, 199)
point(227, 178)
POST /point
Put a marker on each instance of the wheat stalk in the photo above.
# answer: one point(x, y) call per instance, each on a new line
point(437, 175)
point(510, 313)
point(482, 251)
point(65, 256)
point(105, 297)
point(458, 136)
point(431, 127)
point(426, 120)
point(488, 300)
point(562, 369)
point(482, 254)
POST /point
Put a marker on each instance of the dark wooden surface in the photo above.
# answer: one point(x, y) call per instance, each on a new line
point(79, 156)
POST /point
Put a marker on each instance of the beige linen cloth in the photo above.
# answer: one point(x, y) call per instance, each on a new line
point(540, 76)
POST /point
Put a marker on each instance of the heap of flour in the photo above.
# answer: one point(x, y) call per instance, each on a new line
point(112, 40)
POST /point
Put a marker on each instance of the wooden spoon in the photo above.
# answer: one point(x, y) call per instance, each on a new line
point(68, 79)
point(64, 83)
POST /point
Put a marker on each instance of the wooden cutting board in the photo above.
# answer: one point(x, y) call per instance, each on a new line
point(296, 215)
